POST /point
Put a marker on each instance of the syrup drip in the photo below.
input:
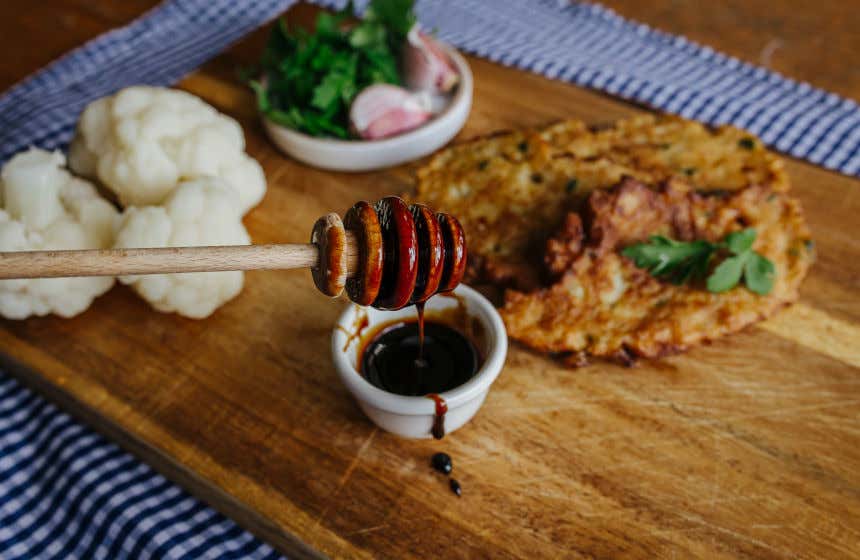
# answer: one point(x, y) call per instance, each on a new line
point(420, 308)
point(438, 429)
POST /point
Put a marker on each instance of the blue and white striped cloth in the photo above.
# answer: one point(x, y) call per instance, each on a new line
point(586, 44)
point(67, 492)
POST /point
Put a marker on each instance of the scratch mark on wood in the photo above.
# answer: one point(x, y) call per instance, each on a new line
point(740, 536)
point(347, 474)
point(366, 530)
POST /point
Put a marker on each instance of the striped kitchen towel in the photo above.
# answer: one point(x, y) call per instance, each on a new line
point(66, 492)
point(582, 43)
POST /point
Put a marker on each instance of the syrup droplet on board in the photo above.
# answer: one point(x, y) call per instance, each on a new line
point(442, 463)
point(438, 430)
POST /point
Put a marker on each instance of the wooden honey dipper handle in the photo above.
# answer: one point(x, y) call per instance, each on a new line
point(388, 255)
point(160, 260)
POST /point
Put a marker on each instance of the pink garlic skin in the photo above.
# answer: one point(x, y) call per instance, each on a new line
point(426, 65)
point(383, 110)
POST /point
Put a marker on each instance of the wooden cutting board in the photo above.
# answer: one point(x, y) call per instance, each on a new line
point(748, 447)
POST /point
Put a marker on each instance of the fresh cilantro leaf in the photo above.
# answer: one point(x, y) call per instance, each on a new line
point(759, 274)
point(662, 241)
point(326, 24)
point(675, 261)
point(279, 45)
point(367, 34)
point(739, 241)
point(290, 119)
point(323, 58)
point(328, 92)
point(727, 274)
point(394, 14)
point(381, 67)
point(334, 129)
point(262, 95)
point(307, 80)
point(329, 24)
point(683, 262)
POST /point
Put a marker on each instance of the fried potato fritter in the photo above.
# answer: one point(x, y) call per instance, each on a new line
point(603, 305)
point(510, 191)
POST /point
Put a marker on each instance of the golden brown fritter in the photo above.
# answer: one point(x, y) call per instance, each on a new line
point(511, 190)
point(603, 305)
point(727, 158)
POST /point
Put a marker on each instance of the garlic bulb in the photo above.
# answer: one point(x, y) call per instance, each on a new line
point(384, 110)
point(426, 65)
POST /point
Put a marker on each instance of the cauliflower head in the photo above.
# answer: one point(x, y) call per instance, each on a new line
point(200, 212)
point(43, 207)
point(142, 141)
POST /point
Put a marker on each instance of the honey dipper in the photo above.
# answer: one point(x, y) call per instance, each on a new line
point(387, 255)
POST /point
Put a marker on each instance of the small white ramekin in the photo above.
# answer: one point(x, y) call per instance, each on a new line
point(366, 155)
point(412, 417)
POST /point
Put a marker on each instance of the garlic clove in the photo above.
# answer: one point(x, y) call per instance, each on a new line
point(383, 110)
point(426, 64)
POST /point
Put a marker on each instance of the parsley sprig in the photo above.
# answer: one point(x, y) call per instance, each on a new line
point(307, 81)
point(682, 262)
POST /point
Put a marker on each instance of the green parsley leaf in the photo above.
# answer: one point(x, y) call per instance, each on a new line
point(292, 118)
point(759, 274)
point(394, 14)
point(727, 274)
point(307, 80)
point(326, 24)
point(381, 67)
point(675, 261)
point(328, 92)
point(683, 262)
point(739, 241)
point(262, 95)
point(367, 34)
point(323, 58)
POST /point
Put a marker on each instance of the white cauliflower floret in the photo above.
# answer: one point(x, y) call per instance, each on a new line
point(201, 212)
point(42, 206)
point(142, 141)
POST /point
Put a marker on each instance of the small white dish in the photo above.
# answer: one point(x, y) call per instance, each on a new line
point(413, 417)
point(366, 155)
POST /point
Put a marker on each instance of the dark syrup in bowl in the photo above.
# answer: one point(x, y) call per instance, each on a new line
point(394, 361)
point(420, 357)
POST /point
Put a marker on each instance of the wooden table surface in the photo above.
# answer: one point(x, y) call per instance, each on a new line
point(749, 447)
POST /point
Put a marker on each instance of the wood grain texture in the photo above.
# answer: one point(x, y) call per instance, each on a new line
point(746, 448)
